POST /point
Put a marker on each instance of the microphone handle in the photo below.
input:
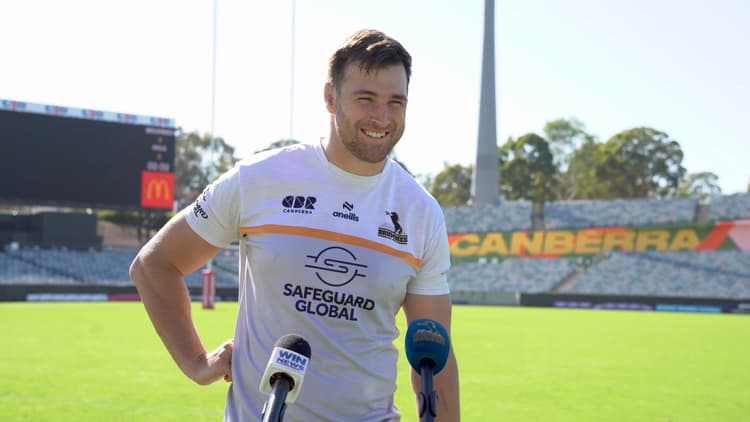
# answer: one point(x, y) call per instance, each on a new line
point(427, 398)
point(273, 409)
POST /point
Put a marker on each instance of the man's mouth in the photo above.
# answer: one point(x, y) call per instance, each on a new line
point(374, 133)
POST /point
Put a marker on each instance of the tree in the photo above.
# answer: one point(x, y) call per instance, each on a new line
point(198, 161)
point(701, 184)
point(640, 163)
point(579, 181)
point(527, 169)
point(452, 186)
point(568, 140)
point(565, 136)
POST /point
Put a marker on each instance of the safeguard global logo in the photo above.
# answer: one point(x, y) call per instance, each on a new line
point(336, 266)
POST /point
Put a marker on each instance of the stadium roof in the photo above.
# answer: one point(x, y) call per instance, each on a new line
point(90, 114)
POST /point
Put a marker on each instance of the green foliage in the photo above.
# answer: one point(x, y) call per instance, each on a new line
point(572, 150)
point(198, 161)
point(640, 163)
point(702, 185)
point(571, 164)
point(527, 169)
point(452, 186)
point(635, 163)
point(565, 136)
point(580, 180)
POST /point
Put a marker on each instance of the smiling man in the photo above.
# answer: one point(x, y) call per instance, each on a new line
point(335, 238)
point(367, 100)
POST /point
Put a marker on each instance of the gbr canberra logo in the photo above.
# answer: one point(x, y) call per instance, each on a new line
point(299, 204)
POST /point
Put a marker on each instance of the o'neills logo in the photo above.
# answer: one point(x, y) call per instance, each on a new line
point(393, 231)
point(348, 214)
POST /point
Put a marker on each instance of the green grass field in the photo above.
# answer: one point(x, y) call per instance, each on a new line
point(104, 362)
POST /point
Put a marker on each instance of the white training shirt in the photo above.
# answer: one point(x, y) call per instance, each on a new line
point(330, 256)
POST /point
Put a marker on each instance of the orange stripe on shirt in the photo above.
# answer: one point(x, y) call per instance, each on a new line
point(335, 237)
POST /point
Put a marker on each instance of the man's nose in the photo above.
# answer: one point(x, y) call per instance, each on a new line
point(379, 113)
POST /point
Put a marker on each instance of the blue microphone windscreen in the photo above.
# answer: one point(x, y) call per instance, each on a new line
point(427, 341)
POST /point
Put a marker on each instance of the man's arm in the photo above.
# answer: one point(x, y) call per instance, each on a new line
point(445, 382)
point(158, 272)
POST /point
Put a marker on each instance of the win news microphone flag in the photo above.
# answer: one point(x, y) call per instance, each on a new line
point(284, 375)
point(427, 347)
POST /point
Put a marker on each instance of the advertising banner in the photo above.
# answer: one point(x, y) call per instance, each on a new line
point(721, 235)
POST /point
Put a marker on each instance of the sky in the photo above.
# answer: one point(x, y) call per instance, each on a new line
point(678, 66)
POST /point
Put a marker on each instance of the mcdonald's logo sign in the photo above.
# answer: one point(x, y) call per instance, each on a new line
point(157, 189)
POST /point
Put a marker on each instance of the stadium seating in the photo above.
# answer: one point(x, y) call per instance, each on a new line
point(618, 212)
point(106, 266)
point(15, 270)
point(512, 274)
point(509, 215)
point(730, 207)
point(714, 274)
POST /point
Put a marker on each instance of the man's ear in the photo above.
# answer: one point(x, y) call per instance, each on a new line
point(328, 96)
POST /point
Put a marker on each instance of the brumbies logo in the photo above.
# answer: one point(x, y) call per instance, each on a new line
point(393, 231)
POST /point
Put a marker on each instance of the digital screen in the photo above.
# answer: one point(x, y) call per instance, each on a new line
point(48, 159)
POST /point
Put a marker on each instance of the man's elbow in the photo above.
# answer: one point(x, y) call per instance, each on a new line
point(136, 271)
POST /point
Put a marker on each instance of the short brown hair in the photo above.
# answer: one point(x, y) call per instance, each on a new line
point(373, 50)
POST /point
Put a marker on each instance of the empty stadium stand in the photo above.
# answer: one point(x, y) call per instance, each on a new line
point(715, 273)
point(511, 215)
point(710, 274)
point(108, 265)
point(618, 212)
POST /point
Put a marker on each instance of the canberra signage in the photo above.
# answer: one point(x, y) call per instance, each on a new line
point(722, 235)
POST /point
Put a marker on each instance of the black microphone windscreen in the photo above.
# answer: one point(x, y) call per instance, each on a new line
point(295, 343)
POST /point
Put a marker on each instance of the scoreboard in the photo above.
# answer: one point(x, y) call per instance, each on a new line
point(52, 155)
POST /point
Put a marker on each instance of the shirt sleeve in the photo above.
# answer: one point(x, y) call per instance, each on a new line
point(432, 278)
point(214, 215)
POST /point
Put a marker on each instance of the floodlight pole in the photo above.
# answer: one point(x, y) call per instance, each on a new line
point(291, 72)
point(212, 147)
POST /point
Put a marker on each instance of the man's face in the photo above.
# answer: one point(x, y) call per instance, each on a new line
point(369, 111)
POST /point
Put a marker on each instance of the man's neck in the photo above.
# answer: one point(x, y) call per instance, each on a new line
point(338, 155)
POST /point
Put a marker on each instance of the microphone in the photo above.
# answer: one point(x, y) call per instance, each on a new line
point(284, 374)
point(427, 348)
